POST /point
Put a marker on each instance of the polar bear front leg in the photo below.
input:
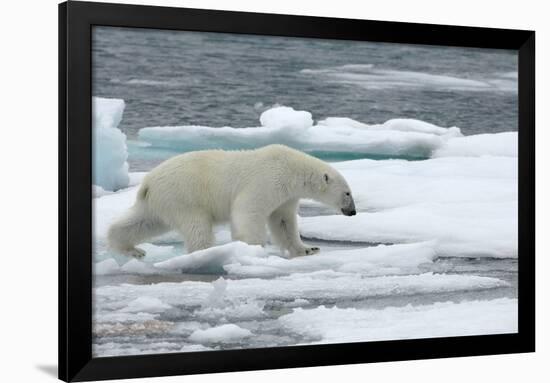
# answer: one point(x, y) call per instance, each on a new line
point(283, 225)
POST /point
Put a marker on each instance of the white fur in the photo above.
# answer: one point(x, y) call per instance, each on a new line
point(250, 189)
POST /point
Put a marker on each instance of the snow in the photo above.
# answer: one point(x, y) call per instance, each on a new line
point(110, 169)
point(98, 191)
point(226, 333)
point(216, 296)
point(134, 266)
point(283, 125)
point(321, 285)
point(341, 325)
point(243, 260)
point(110, 266)
point(460, 230)
point(212, 258)
point(333, 136)
point(194, 348)
point(233, 311)
point(398, 124)
point(281, 117)
point(240, 259)
point(467, 205)
point(109, 207)
point(378, 185)
point(498, 144)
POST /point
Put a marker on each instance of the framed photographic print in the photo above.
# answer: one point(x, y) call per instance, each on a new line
point(248, 191)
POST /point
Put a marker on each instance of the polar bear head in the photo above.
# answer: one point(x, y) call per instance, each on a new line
point(334, 191)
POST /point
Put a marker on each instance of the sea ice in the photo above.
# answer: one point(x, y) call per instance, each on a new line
point(212, 259)
point(398, 124)
point(468, 205)
point(283, 125)
point(98, 191)
point(281, 117)
point(227, 333)
point(110, 169)
point(496, 144)
point(341, 325)
point(147, 305)
point(135, 266)
point(314, 286)
point(460, 230)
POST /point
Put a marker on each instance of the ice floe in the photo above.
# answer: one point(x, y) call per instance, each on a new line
point(146, 304)
point(315, 286)
point(461, 230)
point(110, 168)
point(226, 333)
point(467, 205)
point(212, 259)
point(243, 260)
point(399, 137)
point(497, 144)
point(331, 138)
point(341, 325)
point(231, 311)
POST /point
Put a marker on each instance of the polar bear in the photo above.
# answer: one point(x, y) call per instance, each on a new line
point(251, 189)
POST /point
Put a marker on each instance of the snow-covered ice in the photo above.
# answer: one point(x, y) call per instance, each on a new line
point(110, 166)
point(497, 144)
point(341, 325)
point(334, 136)
point(213, 258)
point(227, 333)
point(467, 205)
point(240, 259)
point(431, 252)
point(284, 125)
point(281, 117)
point(322, 285)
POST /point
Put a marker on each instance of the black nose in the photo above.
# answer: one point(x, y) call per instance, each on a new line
point(349, 212)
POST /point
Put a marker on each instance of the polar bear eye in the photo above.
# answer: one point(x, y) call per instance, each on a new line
point(326, 178)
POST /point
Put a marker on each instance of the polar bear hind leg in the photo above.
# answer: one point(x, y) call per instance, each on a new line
point(284, 230)
point(135, 227)
point(196, 230)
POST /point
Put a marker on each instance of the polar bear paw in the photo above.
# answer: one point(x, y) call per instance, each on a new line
point(306, 251)
point(135, 253)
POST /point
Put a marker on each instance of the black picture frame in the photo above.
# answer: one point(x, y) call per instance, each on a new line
point(75, 207)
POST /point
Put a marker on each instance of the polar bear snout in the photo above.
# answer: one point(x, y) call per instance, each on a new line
point(349, 208)
point(349, 213)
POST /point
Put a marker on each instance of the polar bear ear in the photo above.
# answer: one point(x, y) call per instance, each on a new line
point(326, 178)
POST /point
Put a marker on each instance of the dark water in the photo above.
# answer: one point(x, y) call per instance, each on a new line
point(213, 79)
